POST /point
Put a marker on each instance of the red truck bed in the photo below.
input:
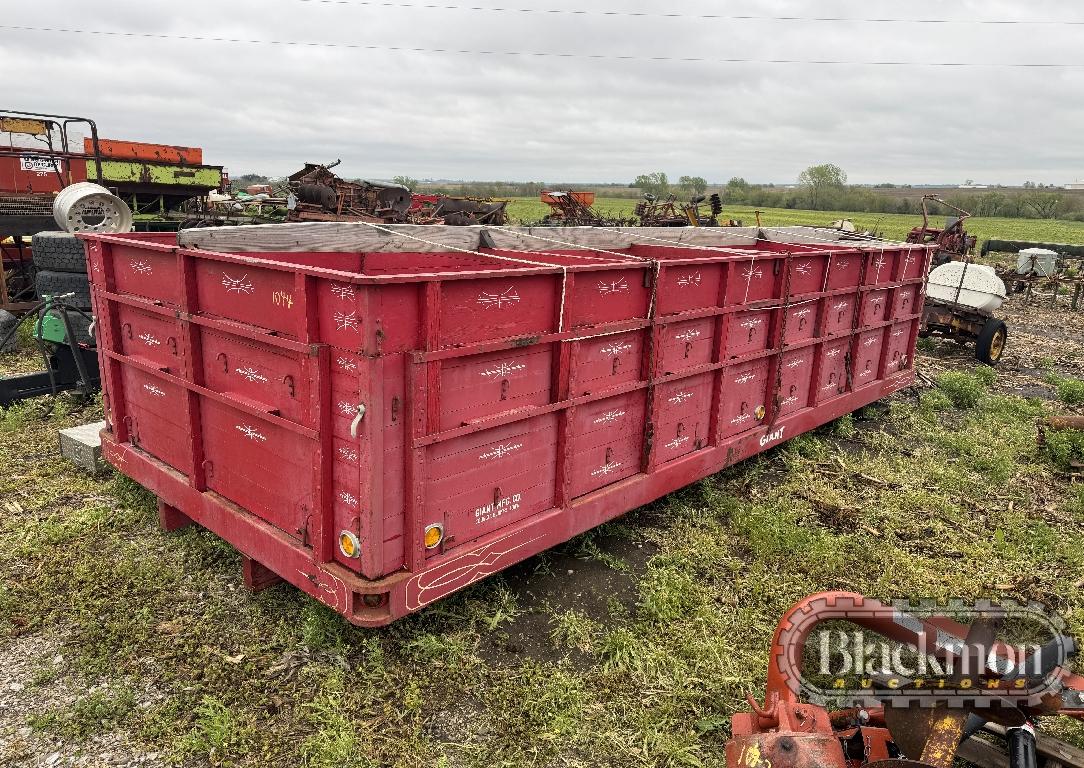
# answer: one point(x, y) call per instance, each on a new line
point(331, 413)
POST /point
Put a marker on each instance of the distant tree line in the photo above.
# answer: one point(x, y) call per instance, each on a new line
point(820, 188)
point(825, 188)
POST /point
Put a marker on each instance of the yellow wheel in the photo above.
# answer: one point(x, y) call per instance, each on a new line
point(992, 341)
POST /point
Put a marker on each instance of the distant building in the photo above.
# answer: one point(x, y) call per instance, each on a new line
point(1075, 185)
point(974, 186)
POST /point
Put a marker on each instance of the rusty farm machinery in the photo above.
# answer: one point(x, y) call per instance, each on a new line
point(577, 209)
point(317, 194)
point(952, 241)
point(962, 296)
point(653, 212)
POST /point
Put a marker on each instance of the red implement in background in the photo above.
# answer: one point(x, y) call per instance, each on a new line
point(419, 201)
point(382, 429)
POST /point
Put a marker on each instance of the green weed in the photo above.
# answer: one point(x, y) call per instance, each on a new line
point(965, 390)
point(807, 446)
point(218, 732)
point(98, 712)
point(574, 630)
point(446, 648)
point(321, 627)
point(844, 426)
point(985, 374)
point(1065, 447)
point(1071, 391)
point(587, 548)
point(669, 594)
point(338, 737)
point(934, 401)
point(1076, 501)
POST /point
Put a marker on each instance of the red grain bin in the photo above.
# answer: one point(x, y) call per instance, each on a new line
point(385, 415)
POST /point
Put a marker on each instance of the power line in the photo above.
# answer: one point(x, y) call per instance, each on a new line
point(693, 16)
point(543, 54)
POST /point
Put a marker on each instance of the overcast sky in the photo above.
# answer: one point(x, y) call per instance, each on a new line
point(270, 108)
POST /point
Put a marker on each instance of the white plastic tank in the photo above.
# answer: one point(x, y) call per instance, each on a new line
point(1038, 261)
point(973, 285)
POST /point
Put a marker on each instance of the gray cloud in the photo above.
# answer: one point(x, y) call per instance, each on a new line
point(269, 108)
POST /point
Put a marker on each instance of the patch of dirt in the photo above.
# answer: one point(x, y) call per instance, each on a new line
point(559, 580)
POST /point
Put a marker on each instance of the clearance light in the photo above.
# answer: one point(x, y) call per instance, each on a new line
point(761, 412)
point(434, 535)
point(349, 544)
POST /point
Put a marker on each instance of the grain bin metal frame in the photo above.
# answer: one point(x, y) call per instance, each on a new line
point(382, 427)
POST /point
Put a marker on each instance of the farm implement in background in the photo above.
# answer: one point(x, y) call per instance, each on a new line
point(576, 209)
point(320, 195)
point(316, 194)
point(960, 303)
point(952, 241)
point(459, 211)
point(154, 178)
point(653, 212)
point(323, 196)
point(1043, 271)
point(39, 156)
point(962, 296)
point(910, 686)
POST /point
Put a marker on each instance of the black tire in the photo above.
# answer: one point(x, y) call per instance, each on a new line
point(59, 252)
point(993, 338)
point(8, 322)
point(62, 283)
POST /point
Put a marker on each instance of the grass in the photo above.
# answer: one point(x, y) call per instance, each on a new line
point(891, 225)
point(91, 714)
point(963, 390)
point(1071, 391)
point(947, 496)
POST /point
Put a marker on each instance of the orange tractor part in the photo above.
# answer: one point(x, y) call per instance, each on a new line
point(555, 198)
point(137, 150)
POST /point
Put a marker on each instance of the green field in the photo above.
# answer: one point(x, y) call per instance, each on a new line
point(891, 225)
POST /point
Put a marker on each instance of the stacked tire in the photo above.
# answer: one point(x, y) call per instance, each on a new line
point(61, 263)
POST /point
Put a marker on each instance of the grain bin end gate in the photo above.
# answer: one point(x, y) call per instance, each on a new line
point(391, 414)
